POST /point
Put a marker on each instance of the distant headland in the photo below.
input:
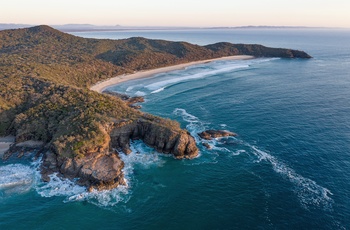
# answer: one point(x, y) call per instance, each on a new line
point(47, 105)
point(90, 27)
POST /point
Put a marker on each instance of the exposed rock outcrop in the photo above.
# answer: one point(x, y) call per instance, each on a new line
point(130, 101)
point(99, 168)
point(205, 144)
point(98, 171)
point(210, 134)
point(163, 138)
point(20, 148)
point(103, 169)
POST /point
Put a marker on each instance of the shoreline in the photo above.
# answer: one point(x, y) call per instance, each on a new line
point(101, 86)
point(5, 143)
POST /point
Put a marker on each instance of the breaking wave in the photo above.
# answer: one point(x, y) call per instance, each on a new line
point(165, 83)
point(158, 90)
point(194, 125)
point(307, 190)
point(16, 179)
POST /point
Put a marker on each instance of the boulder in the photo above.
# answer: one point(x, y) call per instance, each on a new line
point(211, 134)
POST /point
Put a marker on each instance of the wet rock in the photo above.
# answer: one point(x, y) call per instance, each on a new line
point(130, 101)
point(21, 148)
point(205, 144)
point(211, 134)
point(122, 96)
point(134, 100)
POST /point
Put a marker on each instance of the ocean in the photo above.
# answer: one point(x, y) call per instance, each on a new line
point(288, 168)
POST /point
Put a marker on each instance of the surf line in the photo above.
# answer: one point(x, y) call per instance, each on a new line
point(101, 86)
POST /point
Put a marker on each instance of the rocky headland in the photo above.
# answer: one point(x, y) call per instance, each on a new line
point(46, 103)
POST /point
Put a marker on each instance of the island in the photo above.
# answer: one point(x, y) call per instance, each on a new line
point(48, 102)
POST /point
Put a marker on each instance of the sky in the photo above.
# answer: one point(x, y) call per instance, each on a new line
point(198, 13)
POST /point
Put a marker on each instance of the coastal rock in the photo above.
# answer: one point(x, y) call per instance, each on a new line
point(102, 169)
point(211, 134)
point(98, 171)
point(134, 100)
point(164, 139)
point(205, 144)
point(19, 149)
point(130, 101)
point(122, 96)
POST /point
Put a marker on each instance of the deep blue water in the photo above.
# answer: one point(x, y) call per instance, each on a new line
point(288, 168)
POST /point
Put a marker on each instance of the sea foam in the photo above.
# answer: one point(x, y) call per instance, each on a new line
point(158, 90)
point(19, 178)
point(202, 74)
point(141, 156)
point(194, 125)
point(308, 191)
point(16, 178)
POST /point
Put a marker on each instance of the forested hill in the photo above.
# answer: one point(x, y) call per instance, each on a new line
point(50, 54)
point(45, 75)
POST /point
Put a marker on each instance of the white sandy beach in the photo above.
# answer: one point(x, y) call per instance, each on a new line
point(100, 86)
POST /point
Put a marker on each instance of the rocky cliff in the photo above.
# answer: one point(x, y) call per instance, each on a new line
point(156, 134)
point(101, 168)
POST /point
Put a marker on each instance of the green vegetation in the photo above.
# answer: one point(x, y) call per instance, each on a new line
point(45, 75)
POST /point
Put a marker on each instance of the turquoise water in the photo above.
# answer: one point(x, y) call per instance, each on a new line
point(288, 168)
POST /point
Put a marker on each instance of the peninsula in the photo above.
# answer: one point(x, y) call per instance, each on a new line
point(46, 102)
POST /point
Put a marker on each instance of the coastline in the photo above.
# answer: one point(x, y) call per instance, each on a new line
point(5, 143)
point(101, 86)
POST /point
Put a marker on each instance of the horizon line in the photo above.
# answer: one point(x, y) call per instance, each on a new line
point(83, 26)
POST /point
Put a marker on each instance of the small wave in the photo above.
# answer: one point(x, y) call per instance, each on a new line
point(16, 178)
point(140, 93)
point(58, 187)
point(129, 88)
point(141, 155)
point(238, 152)
point(158, 90)
point(162, 84)
point(194, 125)
point(262, 60)
point(308, 191)
point(185, 115)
